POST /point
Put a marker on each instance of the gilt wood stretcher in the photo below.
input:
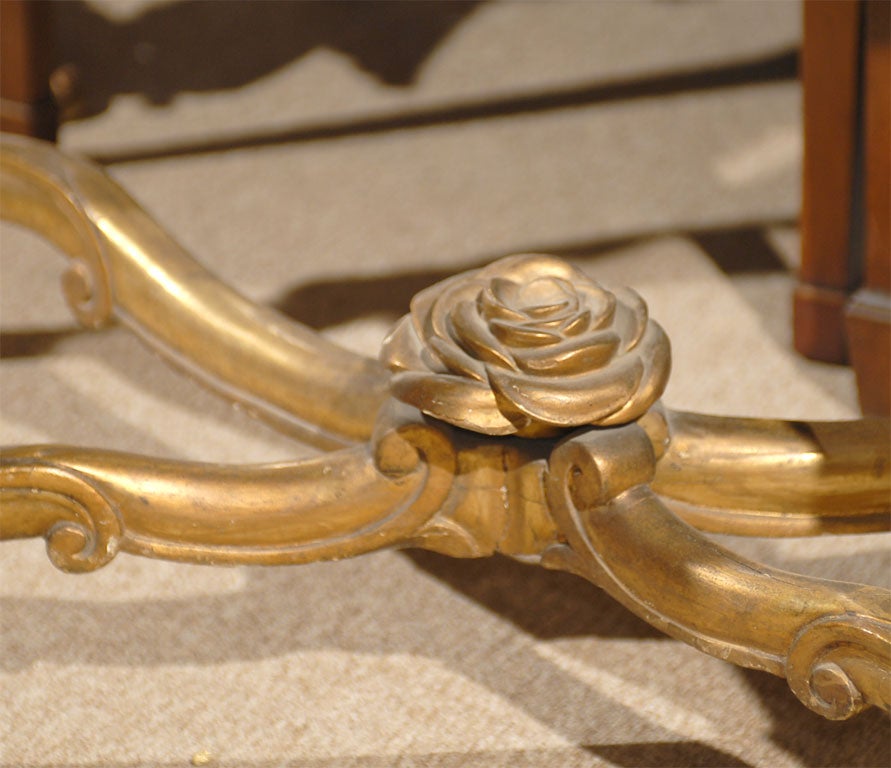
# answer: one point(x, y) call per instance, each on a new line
point(515, 409)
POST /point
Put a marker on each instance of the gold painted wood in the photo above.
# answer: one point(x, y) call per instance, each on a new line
point(521, 415)
point(527, 346)
point(90, 504)
point(125, 267)
point(769, 477)
point(831, 640)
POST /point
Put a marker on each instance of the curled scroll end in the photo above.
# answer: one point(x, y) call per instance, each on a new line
point(62, 198)
point(87, 290)
point(80, 547)
point(81, 526)
point(528, 346)
point(840, 665)
point(86, 284)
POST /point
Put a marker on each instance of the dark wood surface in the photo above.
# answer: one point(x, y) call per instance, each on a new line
point(869, 312)
point(828, 273)
point(842, 305)
point(26, 101)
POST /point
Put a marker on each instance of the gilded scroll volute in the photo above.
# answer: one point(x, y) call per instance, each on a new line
point(528, 346)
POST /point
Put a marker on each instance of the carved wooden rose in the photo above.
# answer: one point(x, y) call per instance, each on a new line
point(528, 346)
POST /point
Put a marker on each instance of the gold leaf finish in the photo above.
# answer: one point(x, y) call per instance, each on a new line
point(275, 514)
point(80, 523)
point(527, 346)
point(610, 489)
point(838, 665)
point(768, 477)
point(831, 640)
point(128, 268)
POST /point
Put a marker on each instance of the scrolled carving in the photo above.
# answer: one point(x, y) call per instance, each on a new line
point(527, 346)
point(86, 283)
point(840, 665)
point(59, 196)
point(86, 288)
point(404, 445)
point(81, 526)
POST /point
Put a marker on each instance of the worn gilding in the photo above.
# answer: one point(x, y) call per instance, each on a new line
point(520, 414)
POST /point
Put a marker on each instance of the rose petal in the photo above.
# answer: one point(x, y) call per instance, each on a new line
point(568, 401)
point(655, 350)
point(577, 325)
point(521, 336)
point(473, 334)
point(491, 307)
point(456, 359)
point(572, 356)
point(432, 362)
point(544, 296)
point(422, 304)
point(505, 292)
point(454, 294)
point(456, 400)
point(554, 324)
point(631, 317)
point(541, 312)
point(526, 267)
point(601, 303)
point(401, 350)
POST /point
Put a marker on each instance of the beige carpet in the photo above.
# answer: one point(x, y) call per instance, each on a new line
point(331, 159)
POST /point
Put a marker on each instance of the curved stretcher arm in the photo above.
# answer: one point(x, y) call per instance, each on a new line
point(769, 477)
point(583, 505)
point(91, 504)
point(125, 266)
point(831, 640)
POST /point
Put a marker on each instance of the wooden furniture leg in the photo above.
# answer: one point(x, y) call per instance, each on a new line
point(26, 101)
point(828, 273)
point(868, 315)
point(843, 299)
